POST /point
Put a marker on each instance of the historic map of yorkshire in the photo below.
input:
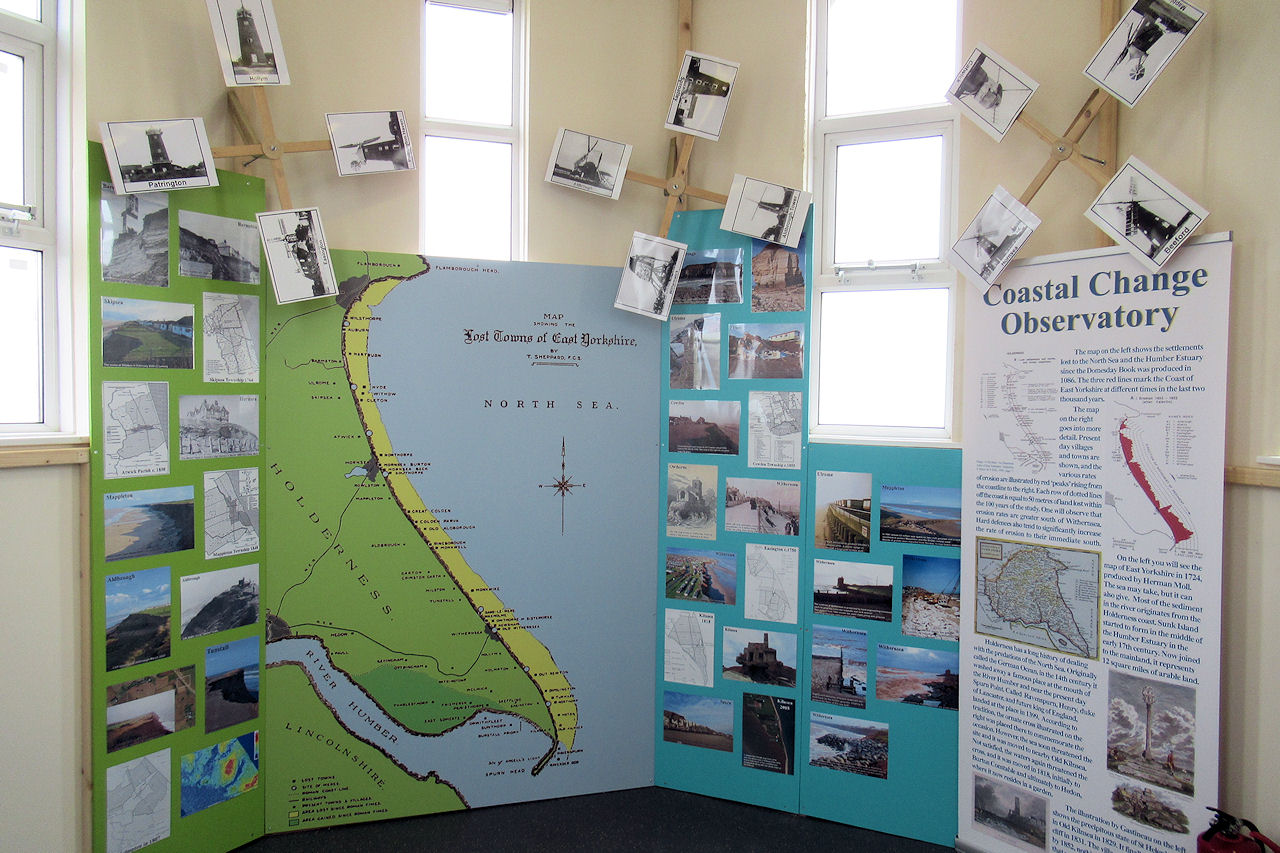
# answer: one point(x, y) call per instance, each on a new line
point(460, 474)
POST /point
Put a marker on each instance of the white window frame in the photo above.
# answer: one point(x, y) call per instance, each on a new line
point(513, 134)
point(827, 133)
point(45, 48)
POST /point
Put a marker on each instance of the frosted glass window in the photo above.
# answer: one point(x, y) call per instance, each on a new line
point(12, 129)
point(889, 56)
point(25, 8)
point(468, 65)
point(467, 203)
point(888, 201)
point(884, 358)
point(20, 346)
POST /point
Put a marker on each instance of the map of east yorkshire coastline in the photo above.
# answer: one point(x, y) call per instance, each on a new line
point(449, 623)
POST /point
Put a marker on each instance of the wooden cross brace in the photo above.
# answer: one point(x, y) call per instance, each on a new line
point(264, 144)
point(676, 185)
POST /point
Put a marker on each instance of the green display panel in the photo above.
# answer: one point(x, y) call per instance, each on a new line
point(176, 292)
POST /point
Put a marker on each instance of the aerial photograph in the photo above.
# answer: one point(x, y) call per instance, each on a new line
point(700, 575)
point(769, 733)
point(149, 707)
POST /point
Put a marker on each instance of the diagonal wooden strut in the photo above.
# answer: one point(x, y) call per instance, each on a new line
point(266, 143)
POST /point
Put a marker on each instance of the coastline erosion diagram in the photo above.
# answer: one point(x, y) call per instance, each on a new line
point(390, 646)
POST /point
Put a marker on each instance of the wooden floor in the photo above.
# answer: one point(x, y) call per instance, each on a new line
point(644, 819)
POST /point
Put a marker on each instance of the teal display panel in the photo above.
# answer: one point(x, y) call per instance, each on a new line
point(881, 620)
point(731, 543)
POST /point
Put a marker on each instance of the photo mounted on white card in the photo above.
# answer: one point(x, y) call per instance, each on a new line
point(370, 142)
point(166, 154)
point(701, 96)
point(248, 43)
point(1145, 214)
point(649, 278)
point(1141, 45)
point(991, 90)
point(297, 255)
point(992, 239)
point(769, 212)
point(588, 163)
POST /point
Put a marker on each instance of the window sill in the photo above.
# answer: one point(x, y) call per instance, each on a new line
point(39, 451)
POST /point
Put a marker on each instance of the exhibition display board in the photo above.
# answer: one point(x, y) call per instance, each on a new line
point(1094, 445)
point(808, 601)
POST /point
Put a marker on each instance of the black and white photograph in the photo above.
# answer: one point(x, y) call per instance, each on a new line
point(1145, 214)
point(588, 163)
point(212, 426)
point(134, 237)
point(992, 238)
point(649, 278)
point(992, 91)
point(167, 154)
point(248, 43)
point(218, 247)
point(219, 600)
point(766, 211)
point(701, 96)
point(370, 142)
point(1141, 45)
point(297, 255)
point(1011, 813)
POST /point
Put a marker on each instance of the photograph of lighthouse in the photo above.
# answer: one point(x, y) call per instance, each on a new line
point(248, 43)
point(168, 154)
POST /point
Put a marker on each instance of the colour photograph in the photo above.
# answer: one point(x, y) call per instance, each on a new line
point(710, 277)
point(1150, 807)
point(848, 744)
point(694, 574)
point(762, 506)
point(146, 333)
point(769, 733)
point(766, 351)
point(231, 683)
point(1015, 815)
point(762, 657)
point(148, 522)
point(777, 277)
point(703, 426)
point(695, 352)
point(150, 707)
point(137, 616)
point(838, 671)
point(218, 600)
point(918, 676)
point(134, 237)
point(705, 721)
point(842, 510)
point(856, 590)
point(931, 597)
point(920, 515)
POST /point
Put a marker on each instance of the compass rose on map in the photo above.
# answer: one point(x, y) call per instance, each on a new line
point(563, 485)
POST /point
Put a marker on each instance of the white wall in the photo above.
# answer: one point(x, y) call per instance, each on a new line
point(607, 67)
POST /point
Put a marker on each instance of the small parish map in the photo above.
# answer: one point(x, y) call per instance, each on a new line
point(138, 802)
point(230, 512)
point(230, 337)
point(1043, 596)
point(688, 653)
point(772, 579)
point(135, 429)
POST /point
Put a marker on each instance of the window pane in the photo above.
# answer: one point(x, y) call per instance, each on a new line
point(20, 346)
point(468, 65)
point(25, 8)
point(467, 198)
point(12, 121)
point(889, 56)
point(884, 358)
point(888, 201)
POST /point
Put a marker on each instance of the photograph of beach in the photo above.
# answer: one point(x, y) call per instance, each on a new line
point(694, 574)
point(920, 515)
point(918, 676)
point(705, 721)
point(148, 522)
point(231, 683)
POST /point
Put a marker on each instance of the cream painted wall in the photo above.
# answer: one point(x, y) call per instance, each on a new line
point(1207, 124)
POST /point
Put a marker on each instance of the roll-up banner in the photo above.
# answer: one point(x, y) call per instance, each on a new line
point(1095, 417)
